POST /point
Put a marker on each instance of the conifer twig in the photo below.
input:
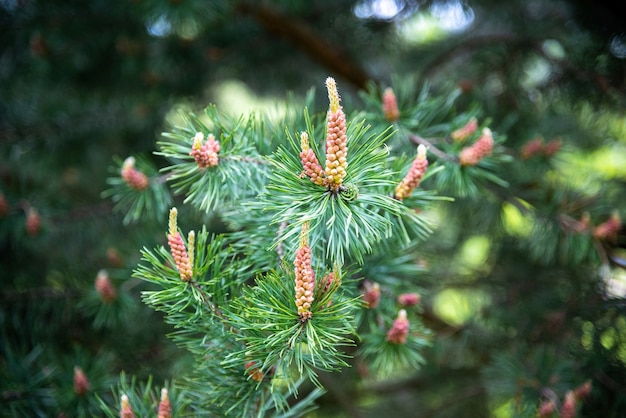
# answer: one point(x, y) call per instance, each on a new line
point(416, 139)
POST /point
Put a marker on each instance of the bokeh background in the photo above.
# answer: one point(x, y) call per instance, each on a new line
point(520, 306)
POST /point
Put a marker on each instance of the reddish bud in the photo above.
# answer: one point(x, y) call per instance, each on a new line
point(114, 257)
point(165, 408)
point(390, 105)
point(465, 131)
point(371, 294)
point(546, 409)
point(4, 206)
point(552, 147)
point(568, 409)
point(583, 390)
point(104, 287)
point(133, 177)
point(126, 411)
point(399, 331)
point(33, 222)
point(608, 229)
point(531, 148)
point(409, 299)
point(254, 372)
point(480, 149)
point(81, 383)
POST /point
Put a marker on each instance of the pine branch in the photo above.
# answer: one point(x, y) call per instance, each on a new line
point(305, 37)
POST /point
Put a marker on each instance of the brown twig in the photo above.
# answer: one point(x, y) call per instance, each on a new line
point(416, 139)
point(307, 39)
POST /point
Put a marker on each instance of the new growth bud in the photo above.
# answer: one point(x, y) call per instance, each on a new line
point(33, 222)
point(414, 176)
point(409, 299)
point(206, 155)
point(546, 409)
point(305, 276)
point(371, 294)
point(133, 177)
point(390, 105)
point(336, 139)
point(126, 411)
point(81, 383)
point(480, 149)
point(104, 287)
point(4, 206)
point(178, 250)
point(568, 409)
point(310, 163)
point(583, 390)
point(608, 229)
point(399, 331)
point(165, 407)
point(465, 131)
point(531, 148)
point(253, 371)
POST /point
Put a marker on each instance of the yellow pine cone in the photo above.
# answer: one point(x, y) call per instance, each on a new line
point(305, 276)
point(336, 140)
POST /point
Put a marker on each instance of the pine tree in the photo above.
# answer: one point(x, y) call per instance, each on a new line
point(449, 243)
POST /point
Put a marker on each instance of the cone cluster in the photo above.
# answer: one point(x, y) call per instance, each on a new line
point(336, 146)
point(205, 155)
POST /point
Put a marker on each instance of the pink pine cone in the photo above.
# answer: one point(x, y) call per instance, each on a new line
point(390, 105)
point(371, 294)
point(179, 252)
point(465, 131)
point(205, 155)
point(165, 407)
point(399, 331)
point(104, 287)
point(414, 176)
point(480, 149)
point(81, 383)
point(312, 167)
point(133, 177)
point(608, 229)
point(409, 299)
